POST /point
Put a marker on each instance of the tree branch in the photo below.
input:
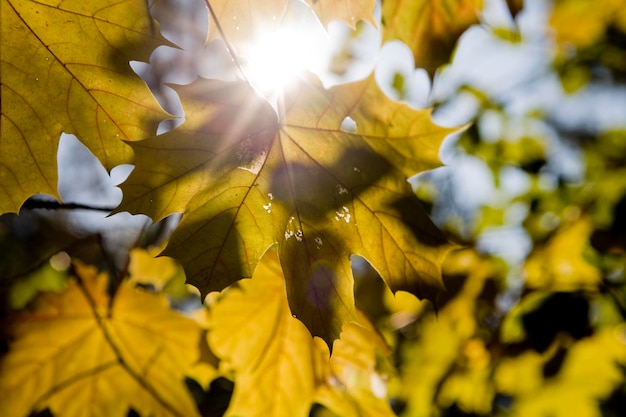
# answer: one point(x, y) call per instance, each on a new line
point(55, 205)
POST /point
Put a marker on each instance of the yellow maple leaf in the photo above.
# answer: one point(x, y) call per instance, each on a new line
point(591, 370)
point(582, 23)
point(83, 353)
point(353, 384)
point(429, 27)
point(65, 69)
point(271, 353)
point(561, 265)
point(241, 21)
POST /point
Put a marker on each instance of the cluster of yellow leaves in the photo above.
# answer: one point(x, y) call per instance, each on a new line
point(244, 177)
point(82, 352)
point(582, 23)
point(449, 363)
point(452, 362)
point(592, 369)
point(561, 264)
point(279, 369)
point(582, 31)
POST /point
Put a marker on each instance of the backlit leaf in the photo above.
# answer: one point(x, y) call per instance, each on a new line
point(243, 21)
point(591, 370)
point(561, 265)
point(354, 384)
point(449, 363)
point(247, 179)
point(64, 68)
point(81, 353)
point(272, 354)
point(429, 27)
point(349, 11)
point(584, 22)
point(240, 21)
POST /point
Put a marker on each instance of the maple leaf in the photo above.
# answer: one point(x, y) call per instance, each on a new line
point(561, 263)
point(429, 27)
point(348, 11)
point(271, 353)
point(591, 370)
point(82, 353)
point(64, 68)
point(240, 21)
point(353, 385)
point(583, 23)
point(246, 180)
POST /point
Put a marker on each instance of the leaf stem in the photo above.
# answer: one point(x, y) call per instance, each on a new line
point(229, 47)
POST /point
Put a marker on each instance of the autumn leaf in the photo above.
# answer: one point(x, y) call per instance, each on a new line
point(354, 385)
point(591, 369)
point(64, 68)
point(246, 179)
point(429, 27)
point(561, 264)
point(241, 21)
point(582, 23)
point(271, 353)
point(348, 11)
point(449, 363)
point(82, 353)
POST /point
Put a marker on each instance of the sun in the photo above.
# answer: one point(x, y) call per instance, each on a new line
point(280, 56)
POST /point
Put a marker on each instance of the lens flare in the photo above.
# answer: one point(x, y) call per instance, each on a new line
point(279, 57)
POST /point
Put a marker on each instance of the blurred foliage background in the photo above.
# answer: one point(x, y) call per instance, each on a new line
point(533, 320)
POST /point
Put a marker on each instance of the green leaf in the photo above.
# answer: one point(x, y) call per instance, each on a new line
point(64, 68)
point(246, 179)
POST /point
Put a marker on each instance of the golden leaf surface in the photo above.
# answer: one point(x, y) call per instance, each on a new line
point(429, 27)
point(272, 354)
point(246, 179)
point(82, 353)
point(64, 68)
point(353, 384)
point(449, 362)
point(591, 370)
point(348, 11)
point(242, 21)
point(561, 264)
point(581, 23)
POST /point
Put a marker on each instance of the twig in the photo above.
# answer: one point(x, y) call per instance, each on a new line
point(229, 47)
point(55, 205)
